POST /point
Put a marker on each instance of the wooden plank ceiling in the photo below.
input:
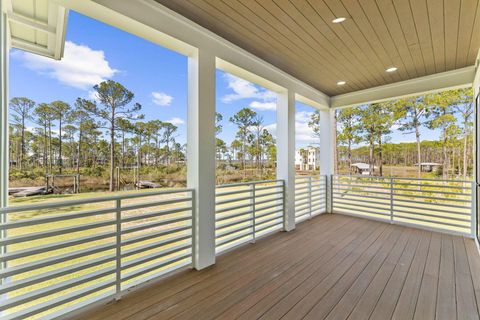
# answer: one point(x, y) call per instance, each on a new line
point(419, 37)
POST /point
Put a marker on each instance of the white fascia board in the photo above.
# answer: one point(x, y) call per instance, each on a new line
point(311, 103)
point(152, 21)
point(436, 82)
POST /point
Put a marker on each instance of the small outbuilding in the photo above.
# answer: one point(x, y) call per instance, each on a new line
point(428, 166)
point(361, 168)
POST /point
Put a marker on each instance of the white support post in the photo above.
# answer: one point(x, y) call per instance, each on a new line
point(201, 154)
point(327, 149)
point(4, 109)
point(4, 161)
point(286, 152)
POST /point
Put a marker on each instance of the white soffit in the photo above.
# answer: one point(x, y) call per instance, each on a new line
point(436, 82)
point(37, 26)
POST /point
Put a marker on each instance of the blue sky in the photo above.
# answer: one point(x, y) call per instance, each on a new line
point(157, 76)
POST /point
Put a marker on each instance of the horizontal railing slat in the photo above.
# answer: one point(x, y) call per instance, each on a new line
point(89, 252)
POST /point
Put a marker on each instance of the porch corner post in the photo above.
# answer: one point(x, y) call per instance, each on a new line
point(286, 152)
point(327, 150)
point(201, 154)
point(4, 161)
point(4, 46)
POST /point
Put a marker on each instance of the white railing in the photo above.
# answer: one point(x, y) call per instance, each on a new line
point(246, 211)
point(310, 196)
point(61, 256)
point(443, 205)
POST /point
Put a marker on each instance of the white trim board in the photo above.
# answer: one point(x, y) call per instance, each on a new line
point(436, 82)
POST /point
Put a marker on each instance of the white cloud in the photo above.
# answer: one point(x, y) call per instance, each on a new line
point(243, 89)
point(303, 116)
point(176, 121)
point(81, 67)
point(272, 128)
point(303, 133)
point(92, 95)
point(161, 99)
point(263, 105)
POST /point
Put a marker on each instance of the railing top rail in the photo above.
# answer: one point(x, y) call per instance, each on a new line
point(400, 178)
point(246, 183)
point(67, 203)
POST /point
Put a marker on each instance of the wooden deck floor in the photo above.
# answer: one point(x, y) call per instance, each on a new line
point(332, 267)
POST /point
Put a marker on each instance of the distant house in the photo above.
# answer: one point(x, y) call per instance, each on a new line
point(361, 168)
point(307, 159)
point(428, 166)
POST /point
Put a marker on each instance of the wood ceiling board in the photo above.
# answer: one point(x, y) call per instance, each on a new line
point(467, 18)
point(419, 37)
point(437, 31)
point(326, 71)
point(452, 14)
point(309, 27)
point(422, 25)
point(353, 38)
point(234, 29)
point(276, 14)
point(376, 20)
point(353, 9)
point(263, 14)
point(352, 52)
point(475, 41)
point(261, 27)
point(337, 35)
point(391, 20)
point(405, 18)
point(298, 58)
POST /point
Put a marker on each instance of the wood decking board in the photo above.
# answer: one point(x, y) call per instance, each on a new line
point(332, 267)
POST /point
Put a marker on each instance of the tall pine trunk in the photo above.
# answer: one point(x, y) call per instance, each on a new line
point(419, 154)
point(112, 156)
point(60, 160)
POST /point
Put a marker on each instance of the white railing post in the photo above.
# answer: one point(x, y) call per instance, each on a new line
point(253, 212)
point(473, 219)
point(201, 153)
point(330, 194)
point(310, 196)
point(391, 199)
point(118, 249)
point(286, 152)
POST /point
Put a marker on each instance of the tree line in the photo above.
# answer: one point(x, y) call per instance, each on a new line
point(110, 131)
point(253, 145)
point(89, 133)
point(449, 112)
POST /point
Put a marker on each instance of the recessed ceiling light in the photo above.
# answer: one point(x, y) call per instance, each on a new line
point(391, 69)
point(341, 83)
point(339, 20)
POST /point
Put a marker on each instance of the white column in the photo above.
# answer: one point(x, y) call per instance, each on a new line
point(201, 153)
point(327, 148)
point(286, 152)
point(4, 161)
point(4, 109)
point(327, 132)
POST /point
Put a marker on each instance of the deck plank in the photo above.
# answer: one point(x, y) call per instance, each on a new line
point(465, 295)
point(333, 267)
point(407, 302)
point(446, 300)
